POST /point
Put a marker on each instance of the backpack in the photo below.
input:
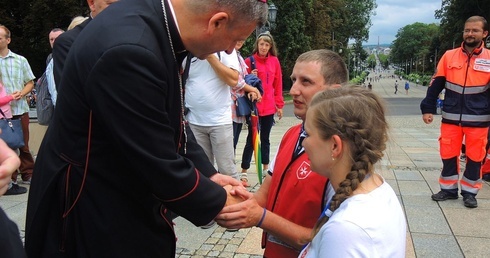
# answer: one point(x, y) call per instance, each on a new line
point(44, 104)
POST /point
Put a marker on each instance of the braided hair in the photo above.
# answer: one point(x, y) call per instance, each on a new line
point(357, 116)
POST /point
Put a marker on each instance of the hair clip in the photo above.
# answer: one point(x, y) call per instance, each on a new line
point(263, 1)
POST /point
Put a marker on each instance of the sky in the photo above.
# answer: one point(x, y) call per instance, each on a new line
point(392, 15)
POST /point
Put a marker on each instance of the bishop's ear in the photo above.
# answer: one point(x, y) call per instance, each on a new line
point(218, 21)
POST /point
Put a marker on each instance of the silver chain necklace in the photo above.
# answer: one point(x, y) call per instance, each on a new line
point(179, 75)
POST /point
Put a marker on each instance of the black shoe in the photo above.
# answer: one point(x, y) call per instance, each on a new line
point(15, 190)
point(470, 201)
point(209, 225)
point(442, 196)
point(486, 177)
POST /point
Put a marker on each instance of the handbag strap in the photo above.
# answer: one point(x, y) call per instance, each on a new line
point(252, 62)
point(3, 114)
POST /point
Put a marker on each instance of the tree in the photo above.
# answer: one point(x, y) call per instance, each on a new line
point(453, 14)
point(357, 18)
point(383, 60)
point(30, 22)
point(290, 34)
point(414, 42)
point(324, 19)
point(316, 24)
point(301, 25)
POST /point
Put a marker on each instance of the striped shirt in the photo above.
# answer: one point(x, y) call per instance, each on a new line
point(15, 72)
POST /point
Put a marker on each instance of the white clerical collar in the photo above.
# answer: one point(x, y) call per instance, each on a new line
point(173, 15)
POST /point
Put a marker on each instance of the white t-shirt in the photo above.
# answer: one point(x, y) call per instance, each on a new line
point(365, 225)
point(206, 95)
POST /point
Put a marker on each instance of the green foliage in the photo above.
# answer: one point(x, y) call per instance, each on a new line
point(290, 35)
point(360, 79)
point(453, 14)
point(371, 61)
point(384, 60)
point(315, 24)
point(300, 26)
point(319, 22)
point(357, 18)
point(418, 46)
point(413, 40)
point(30, 22)
point(415, 43)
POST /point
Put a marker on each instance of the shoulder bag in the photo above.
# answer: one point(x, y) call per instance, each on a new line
point(11, 132)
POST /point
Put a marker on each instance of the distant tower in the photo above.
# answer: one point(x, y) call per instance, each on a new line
point(378, 42)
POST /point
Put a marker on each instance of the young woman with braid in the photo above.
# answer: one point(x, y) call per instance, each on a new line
point(346, 135)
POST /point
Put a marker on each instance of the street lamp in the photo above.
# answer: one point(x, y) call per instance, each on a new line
point(271, 21)
point(434, 58)
point(354, 63)
point(335, 42)
point(340, 48)
point(272, 14)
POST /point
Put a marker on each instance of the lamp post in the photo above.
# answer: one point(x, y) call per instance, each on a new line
point(355, 66)
point(411, 60)
point(271, 21)
point(335, 42)
point(435, 60)
point(340, 49)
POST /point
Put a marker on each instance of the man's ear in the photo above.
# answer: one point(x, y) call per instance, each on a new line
point(91, 5)
point(218, 21)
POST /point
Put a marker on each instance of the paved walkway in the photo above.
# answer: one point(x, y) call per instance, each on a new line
point(411, 165)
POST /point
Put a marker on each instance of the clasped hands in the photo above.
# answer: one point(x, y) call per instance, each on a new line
point(241, 209)
point(254, 95)
point(16, 95)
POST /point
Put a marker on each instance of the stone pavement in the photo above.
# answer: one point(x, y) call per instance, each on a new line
point(411, 166)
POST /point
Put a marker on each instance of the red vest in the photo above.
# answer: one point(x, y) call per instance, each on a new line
point(296, 193)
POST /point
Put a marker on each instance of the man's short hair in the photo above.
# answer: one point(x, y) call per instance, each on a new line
point(333, 67)
point(56, 30)
point(7, 31)
point(245, 10)
point(481, 19)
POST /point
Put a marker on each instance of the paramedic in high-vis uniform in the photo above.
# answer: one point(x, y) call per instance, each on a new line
point(465, 74)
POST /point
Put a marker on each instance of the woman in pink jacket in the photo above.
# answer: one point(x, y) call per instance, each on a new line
point(5, 100)
point(266, 66)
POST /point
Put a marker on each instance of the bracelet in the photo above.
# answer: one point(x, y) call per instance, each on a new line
point(262, 219)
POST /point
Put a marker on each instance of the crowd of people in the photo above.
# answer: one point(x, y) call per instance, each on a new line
point(145, 129)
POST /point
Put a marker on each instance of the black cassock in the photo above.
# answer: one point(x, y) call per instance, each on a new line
point(122, 70)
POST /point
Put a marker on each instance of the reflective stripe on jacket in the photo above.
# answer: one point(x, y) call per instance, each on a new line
point(466, 77)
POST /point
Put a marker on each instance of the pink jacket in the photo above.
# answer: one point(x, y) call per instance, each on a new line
point(5, 102)
point(269, 71)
